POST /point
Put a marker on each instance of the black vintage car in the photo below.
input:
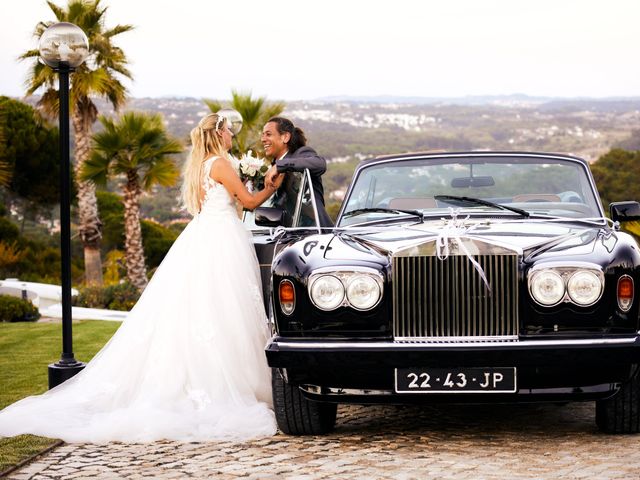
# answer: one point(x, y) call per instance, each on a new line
point(458, 277)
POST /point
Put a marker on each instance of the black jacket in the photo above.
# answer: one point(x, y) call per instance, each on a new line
point(306, 157)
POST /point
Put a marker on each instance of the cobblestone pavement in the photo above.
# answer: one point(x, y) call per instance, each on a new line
point(400, 442)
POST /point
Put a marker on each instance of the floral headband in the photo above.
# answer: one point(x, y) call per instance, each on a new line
point(219, 122)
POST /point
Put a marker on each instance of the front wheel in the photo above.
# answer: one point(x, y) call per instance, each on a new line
point(297, 415)
point(621, 413)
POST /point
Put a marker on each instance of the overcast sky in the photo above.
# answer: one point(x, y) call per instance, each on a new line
point(301, 49)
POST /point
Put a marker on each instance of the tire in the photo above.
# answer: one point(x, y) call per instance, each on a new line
point(295, 414)
point(621, 413)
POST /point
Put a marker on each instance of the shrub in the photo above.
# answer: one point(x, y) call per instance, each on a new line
point(177, 226)
point(8, 230)
point(10, 254)
point(156, 240)
point(91, 297)
point(13, 309)
point(122, 296)
point(34, 257)
point(112, 217)
point(114, 268)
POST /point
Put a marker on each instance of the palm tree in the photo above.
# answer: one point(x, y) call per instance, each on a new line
point(5, 174)
point(99, 76)
point(5, 168)
point(136, 147)
point(255, 113)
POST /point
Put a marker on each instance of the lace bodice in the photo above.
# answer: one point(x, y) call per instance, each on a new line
point(216, 197)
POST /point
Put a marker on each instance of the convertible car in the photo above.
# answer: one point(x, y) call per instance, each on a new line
point(459, 277)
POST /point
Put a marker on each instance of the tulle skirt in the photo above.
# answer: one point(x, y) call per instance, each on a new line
point(188, 364)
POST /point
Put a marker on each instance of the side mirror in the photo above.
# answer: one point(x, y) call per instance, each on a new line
point(624, 211)
point(269, 216)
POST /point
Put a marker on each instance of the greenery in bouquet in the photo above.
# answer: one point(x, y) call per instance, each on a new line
point(252, 170)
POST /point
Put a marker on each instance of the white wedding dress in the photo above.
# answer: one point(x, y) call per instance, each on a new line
point(188, 364)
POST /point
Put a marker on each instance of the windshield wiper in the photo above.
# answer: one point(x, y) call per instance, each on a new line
point(359, 211)
point(479, 201)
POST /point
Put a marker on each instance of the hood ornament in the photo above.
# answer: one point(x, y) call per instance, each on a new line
point(450, 238)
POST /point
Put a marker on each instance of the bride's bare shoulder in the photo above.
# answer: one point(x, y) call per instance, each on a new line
point(221, 168)
point(218, 162)
point(213, 159)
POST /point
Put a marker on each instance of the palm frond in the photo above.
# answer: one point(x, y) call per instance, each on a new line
point(107, 60)
point(272, 110)
point(162, 172)
point(248, 107)
point(135, 143)
point(116, 92)
point(214, 105)
point(122, 70)
point(49, 103)
point(40, 28)
point(117, 30)
point(96, 169)
point(40, 76)
point(57, 11)
point(5, 174)
point(29, 54)
point(5, 167)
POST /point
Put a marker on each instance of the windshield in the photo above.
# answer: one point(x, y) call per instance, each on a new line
point(538, 186)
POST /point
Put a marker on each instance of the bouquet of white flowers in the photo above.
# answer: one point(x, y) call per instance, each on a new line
point(252, 170)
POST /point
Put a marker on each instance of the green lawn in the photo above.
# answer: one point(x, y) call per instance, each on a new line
point(26, 349)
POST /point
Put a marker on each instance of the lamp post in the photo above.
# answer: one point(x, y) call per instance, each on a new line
point(63, 47)
point(233, 117)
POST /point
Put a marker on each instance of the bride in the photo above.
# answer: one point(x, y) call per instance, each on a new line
point(188, 364)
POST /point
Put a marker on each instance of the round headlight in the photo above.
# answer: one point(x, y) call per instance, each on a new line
point(547, 287)
point(584, 287)
point(327, 292)
point(363, 292)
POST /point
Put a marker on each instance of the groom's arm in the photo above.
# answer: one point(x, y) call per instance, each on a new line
point(304, 157)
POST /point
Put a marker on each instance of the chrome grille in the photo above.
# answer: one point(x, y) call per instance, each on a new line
point(447, 299)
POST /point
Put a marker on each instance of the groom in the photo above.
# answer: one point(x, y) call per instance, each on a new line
point(286, 146)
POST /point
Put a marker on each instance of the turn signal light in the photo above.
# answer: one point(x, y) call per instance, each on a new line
point(625, 292)
point(287, 295)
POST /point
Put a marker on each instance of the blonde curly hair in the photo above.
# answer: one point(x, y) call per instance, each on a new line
point(206, 143)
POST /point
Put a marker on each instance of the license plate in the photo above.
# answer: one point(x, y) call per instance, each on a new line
point(456, 380)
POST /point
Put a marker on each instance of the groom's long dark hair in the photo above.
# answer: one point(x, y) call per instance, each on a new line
point(298, 139)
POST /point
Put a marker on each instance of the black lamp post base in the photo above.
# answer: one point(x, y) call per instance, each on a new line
point(60, 372)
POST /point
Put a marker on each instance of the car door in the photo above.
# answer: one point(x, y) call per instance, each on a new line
point(296, 198)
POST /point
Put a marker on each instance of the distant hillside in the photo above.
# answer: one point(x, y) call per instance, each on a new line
point(348, 129)
point(498, 100)
point(466, 100)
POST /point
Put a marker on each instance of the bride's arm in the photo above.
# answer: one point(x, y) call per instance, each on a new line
point(222, 172)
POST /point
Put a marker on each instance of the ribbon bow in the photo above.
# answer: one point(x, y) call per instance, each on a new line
point(453, 231)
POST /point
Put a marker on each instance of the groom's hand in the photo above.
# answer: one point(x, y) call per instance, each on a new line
point(273, 178)
point(277, 181)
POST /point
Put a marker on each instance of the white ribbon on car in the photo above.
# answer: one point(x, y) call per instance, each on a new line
point(276, 233)
point(454, 230)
